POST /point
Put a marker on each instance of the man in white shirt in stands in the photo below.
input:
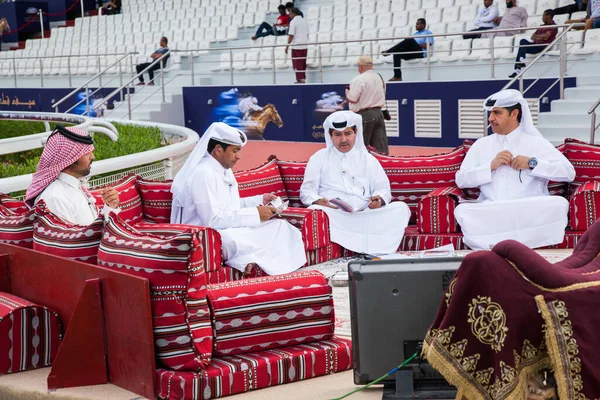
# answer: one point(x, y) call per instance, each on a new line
point(205, 193)
point(512, 168)
point(59, 178)
point(366, 95)
point(298, 37)
point(484, 21)
point(514, 17)
point(350, 185)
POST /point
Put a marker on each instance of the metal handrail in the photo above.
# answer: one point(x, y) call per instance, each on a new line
point(593, 128)
point(69, 56)
point(86, 84)
point(126, 85)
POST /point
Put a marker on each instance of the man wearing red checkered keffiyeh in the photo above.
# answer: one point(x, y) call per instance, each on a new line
point(59, 177)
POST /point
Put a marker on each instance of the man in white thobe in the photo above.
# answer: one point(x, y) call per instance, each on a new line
point(59, 178)
point(205, 193)
point(345, 170)
point(512, 168)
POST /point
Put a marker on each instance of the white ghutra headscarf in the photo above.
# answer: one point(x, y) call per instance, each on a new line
point(218, 131)
point(509, 98)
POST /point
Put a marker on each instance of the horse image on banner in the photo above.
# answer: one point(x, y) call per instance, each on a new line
point(243, 112)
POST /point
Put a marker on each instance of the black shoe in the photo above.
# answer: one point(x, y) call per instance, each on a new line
point(514, 74)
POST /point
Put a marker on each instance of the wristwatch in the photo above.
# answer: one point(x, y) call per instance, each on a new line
point(533, 162)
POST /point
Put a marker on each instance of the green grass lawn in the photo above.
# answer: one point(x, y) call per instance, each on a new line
point(132, 139)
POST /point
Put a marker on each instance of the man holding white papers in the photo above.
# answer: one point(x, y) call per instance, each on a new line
point(512, 168)
point(205, 193)
point(349, 184)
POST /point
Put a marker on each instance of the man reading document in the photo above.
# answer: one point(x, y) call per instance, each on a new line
point(205, 193)
point(349, 184)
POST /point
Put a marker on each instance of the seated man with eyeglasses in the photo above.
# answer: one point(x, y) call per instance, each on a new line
point(350, 185)
point(512, 169)
point(60, 175)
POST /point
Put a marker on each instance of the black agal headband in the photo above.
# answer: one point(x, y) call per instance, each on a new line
point(71, 136)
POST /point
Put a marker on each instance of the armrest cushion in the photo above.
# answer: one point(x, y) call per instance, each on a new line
point(583, 206)
point(314, 225)
point(436, 211)
point(270, 312)
point(17, 229)
point(30, 335)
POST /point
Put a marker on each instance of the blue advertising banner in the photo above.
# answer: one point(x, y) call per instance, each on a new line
point(296, 113)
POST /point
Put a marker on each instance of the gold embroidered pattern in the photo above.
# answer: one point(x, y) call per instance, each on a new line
point(458, 349)
point(484, 377)
point(488, 322)
point(469, 364)
point(450, 291)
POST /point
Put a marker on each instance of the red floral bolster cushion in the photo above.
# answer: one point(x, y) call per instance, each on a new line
point(583, 206)
point(413, 177)
point(271, 312)
point(314, 225)
point(17, 229)
point(585, 158)
point(261, 180)
point(210, 241)
point(174, 267)
point(30, 335)
point(130, 201)
point(53, 235)
point(157, 200)
point(436, 211)
point(292, 173)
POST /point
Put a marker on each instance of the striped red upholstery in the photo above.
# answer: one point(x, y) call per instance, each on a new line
point(29, 335)
point(584, 207)
point(414, 241)
point(586, 161)
point(175, 268)
point(53, 235)
point(239, 374)
point(329, 252)
point(156, 200)
point(228, 274)
point(314, 225)
point(130, 201)
point(270, 312)
point(13, 205)
point(436, 211)
point(261, 180)
point(412, 177)
point(292, 173)
point(17, 229)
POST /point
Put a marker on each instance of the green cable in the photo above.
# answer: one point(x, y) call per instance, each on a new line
point(409, 359)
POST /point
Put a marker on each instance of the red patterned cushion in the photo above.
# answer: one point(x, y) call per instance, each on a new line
point(292, 173)
point(29, 335)
point(156, 200)
point(436, 211)
point(586, 160)
point(584, 206)
point(329, 252)
point(415, 241)
point(270, 312)
point(314, 225)
point(175, 269)
point(53, 235)
point(261, 180)
point(17, 229)
point(231, 375)
point(13, 205)
point(229, 274)
point(412, 177)
point(130, 201)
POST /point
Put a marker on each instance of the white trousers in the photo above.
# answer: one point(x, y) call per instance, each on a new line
point(377, 231)
point(535, 221)
point(275, 245)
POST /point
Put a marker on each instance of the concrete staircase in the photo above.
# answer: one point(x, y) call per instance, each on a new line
point(569, 117)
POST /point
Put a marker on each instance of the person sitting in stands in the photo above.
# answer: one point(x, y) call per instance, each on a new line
point(514, 17)
point(576, 6)
point(409, 49)
point(484, 21)
point(512, 168)
point(205, 193)
point(59, 178)
point(592, 19)
point(155, 56)
point(542, 37)
point(349, 184)
point(280, 28)
point(288, 8)
point(111, 7)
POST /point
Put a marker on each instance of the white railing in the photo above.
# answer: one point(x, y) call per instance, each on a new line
point(165, 155)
